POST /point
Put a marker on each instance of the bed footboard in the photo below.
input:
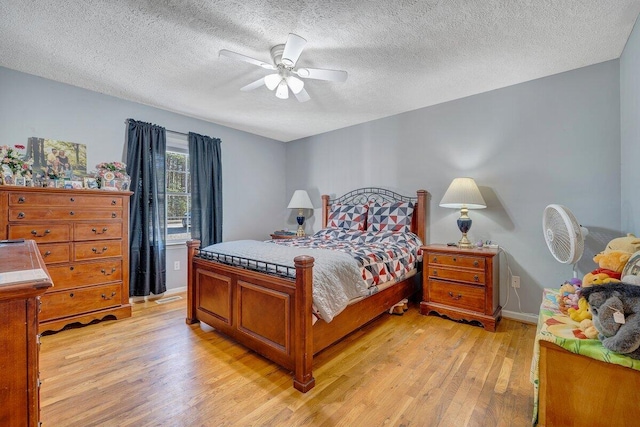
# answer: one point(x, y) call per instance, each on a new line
point(268, 314)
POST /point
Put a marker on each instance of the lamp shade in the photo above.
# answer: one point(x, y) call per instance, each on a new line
point(463, 193)
point(300, 200)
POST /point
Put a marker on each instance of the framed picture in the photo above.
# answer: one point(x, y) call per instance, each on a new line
point(108, 184)
point(90, 183)
point(7, 175)
point(76, 184)
point(20, 180)
point(59, 183)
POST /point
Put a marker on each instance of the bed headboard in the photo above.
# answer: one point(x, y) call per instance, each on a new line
point(362, 196)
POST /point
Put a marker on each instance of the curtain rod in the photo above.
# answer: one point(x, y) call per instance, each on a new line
point(126, 122)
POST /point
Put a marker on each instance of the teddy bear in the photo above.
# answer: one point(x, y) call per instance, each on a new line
point(630, 243)
point(581, 313)
point(615, 310)
point(610, 266)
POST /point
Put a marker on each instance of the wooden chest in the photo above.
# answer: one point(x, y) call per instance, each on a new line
point(83, 237)
point(461, 284)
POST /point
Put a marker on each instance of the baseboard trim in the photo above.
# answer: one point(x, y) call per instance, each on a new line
point(521, 317)
point(167, 293)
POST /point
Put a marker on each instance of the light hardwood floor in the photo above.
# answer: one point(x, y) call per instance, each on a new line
point(412, 370)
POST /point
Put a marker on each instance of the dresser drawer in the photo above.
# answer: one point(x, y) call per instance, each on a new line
point(86, 273)
point(44, 199)
point(476, 277)
point(55, 252)
point(100, 249)
point(97, 231)
point(82, 300)
point(457, 295)
point(62, 214)
point(456, 260)
point(41, 233)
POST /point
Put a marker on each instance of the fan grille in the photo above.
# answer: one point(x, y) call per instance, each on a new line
point(562, 234)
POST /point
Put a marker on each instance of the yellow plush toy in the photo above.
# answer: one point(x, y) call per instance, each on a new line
point(610, 265)
point(582, 312)
point(590, 331)
point(629, 244)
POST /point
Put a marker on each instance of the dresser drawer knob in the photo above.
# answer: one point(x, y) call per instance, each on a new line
point(476, 263)
point(113, 215)
point(35, 233)
point(113, 202)
point(455, 298)
point(435, 259)
point(104, 230)
point(20, 215)
point(21, 199)
point(103, 271)
point(476, 278)
point(71, 294)
point(455, 259)
point(72, 213)
point(95, 250)
point(46, 254)
point(72, 199)
point(435, 273)
point(113, 294)
point(71, 267)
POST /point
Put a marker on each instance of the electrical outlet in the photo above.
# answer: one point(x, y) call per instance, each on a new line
point(176, 265)
point(515, 282)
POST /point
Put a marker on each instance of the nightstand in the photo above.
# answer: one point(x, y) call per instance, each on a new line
point(462, 284)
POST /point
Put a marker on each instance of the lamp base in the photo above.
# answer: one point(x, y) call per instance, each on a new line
point(464, 243)
point(464, 225)
point(300, 220)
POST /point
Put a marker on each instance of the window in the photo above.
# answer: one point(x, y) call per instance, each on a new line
point(178, 195)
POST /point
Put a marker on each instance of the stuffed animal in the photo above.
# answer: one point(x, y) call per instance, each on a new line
point(588, 329)
point(610, 268)
point(631, 280)
point(629, 244)
point(612, 305)
point(581, 313)
point(568, 297)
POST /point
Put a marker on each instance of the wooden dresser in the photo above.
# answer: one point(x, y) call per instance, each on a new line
point(83, 236)
point(462, 284)
point(23, 278)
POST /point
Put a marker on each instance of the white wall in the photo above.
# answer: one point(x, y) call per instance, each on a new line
point(252, 205)
point(552, 140)
point(630, 132)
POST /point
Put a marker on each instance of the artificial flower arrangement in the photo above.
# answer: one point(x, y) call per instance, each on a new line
point(11, 159)
point(112, 175)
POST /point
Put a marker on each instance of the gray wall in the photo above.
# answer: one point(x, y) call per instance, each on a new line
point(630, 132)
point(32, 106)
point(552, 140)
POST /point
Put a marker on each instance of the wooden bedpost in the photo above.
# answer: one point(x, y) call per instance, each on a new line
point(192, 246)
point(303, 339)
point(325, 210)
point(421, 228)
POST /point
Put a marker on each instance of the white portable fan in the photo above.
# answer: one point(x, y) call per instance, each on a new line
point(564, 235)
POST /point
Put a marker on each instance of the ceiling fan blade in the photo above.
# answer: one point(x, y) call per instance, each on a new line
point(240, 57)
point(254, 85)
point(320, 74)
point(292, 49)
point(272, 80)
point(302, 96)
point(295, 84)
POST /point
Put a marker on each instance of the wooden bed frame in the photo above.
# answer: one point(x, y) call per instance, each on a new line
point(272, 315)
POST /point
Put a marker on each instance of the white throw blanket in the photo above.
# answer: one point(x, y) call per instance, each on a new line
point(336, 275)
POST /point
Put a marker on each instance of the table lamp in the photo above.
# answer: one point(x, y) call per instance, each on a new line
point(300, 201)
point(463, 194)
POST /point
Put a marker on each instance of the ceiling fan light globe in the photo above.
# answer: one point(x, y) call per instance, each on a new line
point(272, 80)
point(295, 84)
point(282, 91)
point(303, 72)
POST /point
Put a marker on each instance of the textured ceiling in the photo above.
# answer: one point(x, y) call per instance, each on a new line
point(400, 55)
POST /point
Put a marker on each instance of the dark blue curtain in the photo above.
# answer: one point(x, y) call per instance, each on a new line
point(146, 147)
point(205, 158)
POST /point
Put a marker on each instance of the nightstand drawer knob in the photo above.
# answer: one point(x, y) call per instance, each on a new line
point(455, 259)
point(20, 199)
point(435, 273)
point(476, 263)
point(456, 298)
point(476, 278)
point(435, 259)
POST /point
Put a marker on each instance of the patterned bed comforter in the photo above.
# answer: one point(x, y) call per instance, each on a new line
point(348, 264)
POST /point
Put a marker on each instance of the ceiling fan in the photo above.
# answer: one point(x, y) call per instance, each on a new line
point(285, 56)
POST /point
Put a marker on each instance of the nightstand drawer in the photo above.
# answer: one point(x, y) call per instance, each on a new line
point(474, 277)
point(457, 295)
point(456, 260)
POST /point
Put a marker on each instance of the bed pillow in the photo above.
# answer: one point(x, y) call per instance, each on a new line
point(390, 217)
point(349, 217)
